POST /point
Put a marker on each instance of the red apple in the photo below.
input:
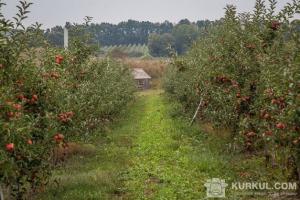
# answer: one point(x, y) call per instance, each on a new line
point(10, 114)
point(17, 106)
point(59, 59)
point(275, 25)
point(29, 142)
point(59, 137)
point(35, 97)
point(10, 147)
point(21, 97)
point(267, 116)
point(280, 125)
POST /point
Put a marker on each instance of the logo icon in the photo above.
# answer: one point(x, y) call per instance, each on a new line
point(215, 188)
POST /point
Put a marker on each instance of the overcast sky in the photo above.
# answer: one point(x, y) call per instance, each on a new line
point(57, 12)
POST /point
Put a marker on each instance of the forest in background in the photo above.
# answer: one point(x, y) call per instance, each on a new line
point(160, 37)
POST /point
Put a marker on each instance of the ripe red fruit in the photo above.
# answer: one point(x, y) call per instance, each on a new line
point(17, 106)
point(280, 125)
point(10, 114)
point(70, 114)
point(267, 116)
point(275, 25)
point(35, 97)
point(59, 137)
point(58, 59)
point(10, 147)
point(29, 142)
point(238, 95)
point(66, 117)
point(21, 97)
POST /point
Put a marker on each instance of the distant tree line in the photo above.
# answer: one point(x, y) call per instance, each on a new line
point(106, 34)
point(178, 40)
point(160, 37)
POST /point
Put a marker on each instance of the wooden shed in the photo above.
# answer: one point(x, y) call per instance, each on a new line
point(142, 78)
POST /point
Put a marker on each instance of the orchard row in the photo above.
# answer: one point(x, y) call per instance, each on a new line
point(246, 73)
point(48, 97)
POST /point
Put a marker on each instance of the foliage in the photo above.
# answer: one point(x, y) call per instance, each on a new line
point(106, 87)
point(184, 35)
point(246, 71)
point(47, 97)
point(149, 163)
point(168, 153)
point(124, 33)
point(161, 45)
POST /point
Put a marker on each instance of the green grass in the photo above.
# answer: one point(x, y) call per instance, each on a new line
point(97, 176)
point(150, 155)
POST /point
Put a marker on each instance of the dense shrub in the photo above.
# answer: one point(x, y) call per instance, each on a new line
point(49, 96)
point(105, 88)
point(246, 70)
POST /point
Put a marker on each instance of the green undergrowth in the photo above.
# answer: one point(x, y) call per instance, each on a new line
point(150, 155)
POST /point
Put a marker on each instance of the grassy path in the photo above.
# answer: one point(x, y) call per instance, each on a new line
point(163, 161)
point(147, 155)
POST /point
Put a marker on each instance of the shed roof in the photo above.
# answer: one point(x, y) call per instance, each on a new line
point(139, 73)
